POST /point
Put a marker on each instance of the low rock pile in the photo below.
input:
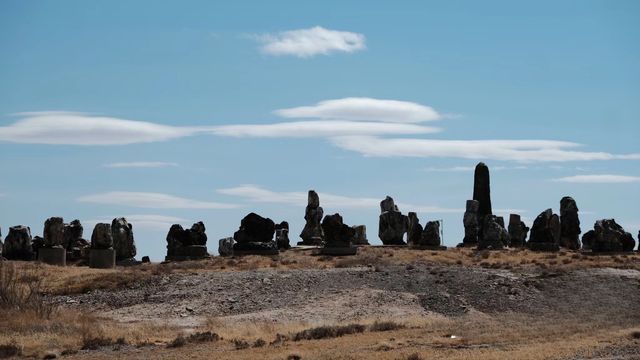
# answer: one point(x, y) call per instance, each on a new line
point(255, 236)
point(337, 236)
point(187, 244)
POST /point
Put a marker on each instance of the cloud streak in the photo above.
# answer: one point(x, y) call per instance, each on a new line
point(363, 109)
point(151, 201)
point(150, 222)
point(599, 179)
point(505, 150)
point(257, 194)
point(305, 43)
point(140, 164)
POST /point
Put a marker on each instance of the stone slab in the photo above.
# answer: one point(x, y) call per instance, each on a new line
point(53, 256)
point(102, 258)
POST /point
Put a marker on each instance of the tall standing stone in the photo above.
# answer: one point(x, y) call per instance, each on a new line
point(73, 232)
point(482, 191)
point(414, 229)
point(471, 224)
point(123, 242)
point(282, 235)
point(517, 231)
point(569, 224)
point(18, 244)
point(392, 224)
point(53, 251)
point(312, 232)
point(102, 255)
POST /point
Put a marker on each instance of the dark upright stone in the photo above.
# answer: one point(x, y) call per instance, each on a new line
point(545, 232)
point(414, 229)
point(282, 235)
point(392, 224)
point(360, 235)
point(482, 191)
point(471, 224)
point(123, 242)
point(337, 236)
point(18, 244)
point(611, 237)
point(187, 244)
point(255, 236)
point(53, 232)
point(312, 232)
point(101, 238)
point(73, 232)
point(517, 231)
point(569, 224)
point(494, 235)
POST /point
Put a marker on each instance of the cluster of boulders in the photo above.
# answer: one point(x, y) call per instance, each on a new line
point(63, 242)
point(423, 238)
point(608, 236)
point(187, 244)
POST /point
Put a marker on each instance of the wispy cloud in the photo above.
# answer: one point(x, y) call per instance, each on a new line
point(505, 150)
point(150, 222)
point(599, 179)
point(299, 129)
point(151, 201)
point(140, 164)
point(472, 168)
point(69, 128)
point(257, 194)
point(364, 109)
point(310, 42)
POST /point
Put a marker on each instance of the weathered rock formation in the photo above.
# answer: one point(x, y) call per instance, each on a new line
point(123, 242)
point(312, 232)
point(569, 224)
point(471, 224)
point(53, 232)
point(73, 232)
point(610, 237)
point(18, 244)
point(545, 232)
point(337, 236)
point(282, 235)
point(482, 191)
point(101, 237)
point(336, 233)
point(414, 229)
point(517, 231)
point(392, 224)
point(494, 235)
point(431, 236)
point(186, 244)
point(225, 247)
point(587, 239)
point(360, 235)
point(255, 236)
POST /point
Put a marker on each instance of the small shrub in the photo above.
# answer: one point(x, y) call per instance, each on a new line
point(414, 356)
point(94, 343)
point(22, 290)
point(259, 343)
point(325, 332)
point(385, 326)
point(206, 336)
point(294, 357)
point(9, 350)
point(179, 341)
point(635, 334)
point(240, 344)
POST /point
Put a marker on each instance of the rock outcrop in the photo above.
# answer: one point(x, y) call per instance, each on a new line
point(608, 236)
point(187, 244)
point(360, 235)
point(392, 224)
point(312, 232)
point(123, 242)
point(282, 235)
point(225, 247)
point(18, 244)
point(101, 237)
point(545, 232)
point(494, 235)
point(517, 231)
point(255, 236)
point(337, 236)
point(431, 236)
point(471, 224)
point(569, 224)
point(53, 232)
point(73, 232)
point(414, 230)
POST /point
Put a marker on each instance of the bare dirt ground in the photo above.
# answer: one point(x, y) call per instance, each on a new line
point(456, 304)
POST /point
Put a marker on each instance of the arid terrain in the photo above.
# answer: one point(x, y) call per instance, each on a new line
point(384, 303)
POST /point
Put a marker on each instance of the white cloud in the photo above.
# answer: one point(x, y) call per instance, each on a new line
point(599, 179)
point(253, 193)
point(505, 150)
point(70, 128)
point(151, 201)
point(471, 168)
point(150, 222)
point(320, 129)
point(364, 109)
point(140, 164)
point(310, 42)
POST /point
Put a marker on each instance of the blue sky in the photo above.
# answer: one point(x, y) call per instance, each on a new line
point(186, 111)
